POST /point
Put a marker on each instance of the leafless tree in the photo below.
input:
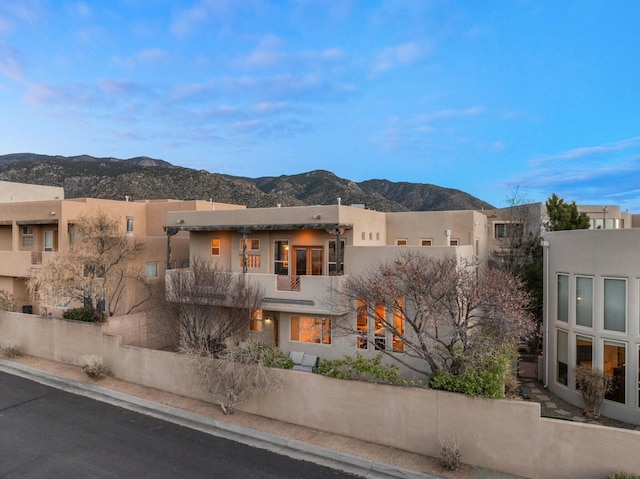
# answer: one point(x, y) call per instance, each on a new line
point(7, 301)
point(206, 306)
point(95, 271)
point(438, 310)
point(233, 374)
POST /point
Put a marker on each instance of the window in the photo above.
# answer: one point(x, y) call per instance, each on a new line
point(255, 323)
point(215, 247)
point(363, 235)
point(584, 301)
point(331, 259)
point(401, 242)
point(152, 269)
point(398, 328)
point(453, 242)
point(311, 330)
point(184, 263)
point(562, 356)
point(508, 230)
point(615, 305)
point(563, 298)
point(281, 257)
point(253, 261)
point(129, 225)
point(584, 352)
point(362, 324)
point(614, 359)
point(378, 323)
point(252, 244)
point(171, 265)
point(27, 236)
point(425, 242)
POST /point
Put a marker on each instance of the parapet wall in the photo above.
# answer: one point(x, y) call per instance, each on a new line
point(508, 436)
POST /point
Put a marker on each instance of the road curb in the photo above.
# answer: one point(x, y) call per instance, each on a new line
point(252, 437)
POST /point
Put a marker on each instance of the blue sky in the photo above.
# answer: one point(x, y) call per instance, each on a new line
point(479, 96)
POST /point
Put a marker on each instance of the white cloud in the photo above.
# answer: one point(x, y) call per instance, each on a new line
point(399, 56)
point(10, 66)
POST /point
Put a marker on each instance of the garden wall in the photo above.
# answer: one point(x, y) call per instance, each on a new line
point(508, 436)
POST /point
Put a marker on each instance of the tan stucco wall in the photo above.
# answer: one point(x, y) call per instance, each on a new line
point(508, 436)
point(11, 192)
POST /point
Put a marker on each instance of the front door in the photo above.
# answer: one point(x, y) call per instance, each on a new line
point(308, 260)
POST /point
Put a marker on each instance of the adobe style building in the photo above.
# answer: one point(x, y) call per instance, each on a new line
point(592, 314)
point(36, 222)
point(302, 255)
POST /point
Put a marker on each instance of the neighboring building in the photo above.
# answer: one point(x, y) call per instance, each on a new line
point(17, 192)
point(301, 255)
point(592, 314)
point(607, 217)
point(33, 231)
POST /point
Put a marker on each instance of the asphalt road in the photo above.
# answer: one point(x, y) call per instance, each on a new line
point(46, 432)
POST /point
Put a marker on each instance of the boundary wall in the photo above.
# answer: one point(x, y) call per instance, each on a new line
point(508, 436)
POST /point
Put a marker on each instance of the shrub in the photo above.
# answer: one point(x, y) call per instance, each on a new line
point(10, 348)
point(450, 453)
point(623, 475)
point(361, 369)
point(92, 366)
point(593, 385)
point(482, 374)
point(88, 315)
point(7, 301)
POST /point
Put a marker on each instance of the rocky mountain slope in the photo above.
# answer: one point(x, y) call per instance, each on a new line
point(148, 178)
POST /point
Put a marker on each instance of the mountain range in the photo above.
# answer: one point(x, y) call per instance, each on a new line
point(148, 178)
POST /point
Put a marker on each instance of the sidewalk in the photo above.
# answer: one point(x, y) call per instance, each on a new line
point(347, 454)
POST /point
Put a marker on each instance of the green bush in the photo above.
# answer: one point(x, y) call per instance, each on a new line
point(623, 475)
point(481, 375)
point(361, 369)
point(83, 314)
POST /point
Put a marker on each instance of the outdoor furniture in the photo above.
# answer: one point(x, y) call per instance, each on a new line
point(303, 361)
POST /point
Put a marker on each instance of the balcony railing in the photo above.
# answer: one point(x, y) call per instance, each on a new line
point(288, 283)
point(36, 257)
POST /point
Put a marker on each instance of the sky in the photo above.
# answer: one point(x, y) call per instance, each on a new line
point(494, 98)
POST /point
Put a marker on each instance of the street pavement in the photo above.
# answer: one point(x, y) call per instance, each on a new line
point(50, 430)
point(47, 432)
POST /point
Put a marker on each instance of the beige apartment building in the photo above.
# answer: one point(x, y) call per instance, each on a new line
point(34, 227)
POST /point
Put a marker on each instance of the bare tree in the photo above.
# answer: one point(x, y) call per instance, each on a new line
point(439, 310)
point(207, 306)
point(7, 301)
point(95, 271)
point(234, 374)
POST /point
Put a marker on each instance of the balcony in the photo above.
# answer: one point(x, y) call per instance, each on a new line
point(297, 294)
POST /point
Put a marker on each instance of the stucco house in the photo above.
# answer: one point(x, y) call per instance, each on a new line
point(302, 255)
point(592, 314)
point(36, 223)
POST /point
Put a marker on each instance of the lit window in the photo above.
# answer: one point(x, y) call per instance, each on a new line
point(562, 356)
point(152, 269)
point(378, 323)
point(256, 320)
point(362, 324)
point(215, 247)
point(281, 257)
point(425, 242)
point(311, 330)
point(615, 357)
point(398, 327)
point(584, 353)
